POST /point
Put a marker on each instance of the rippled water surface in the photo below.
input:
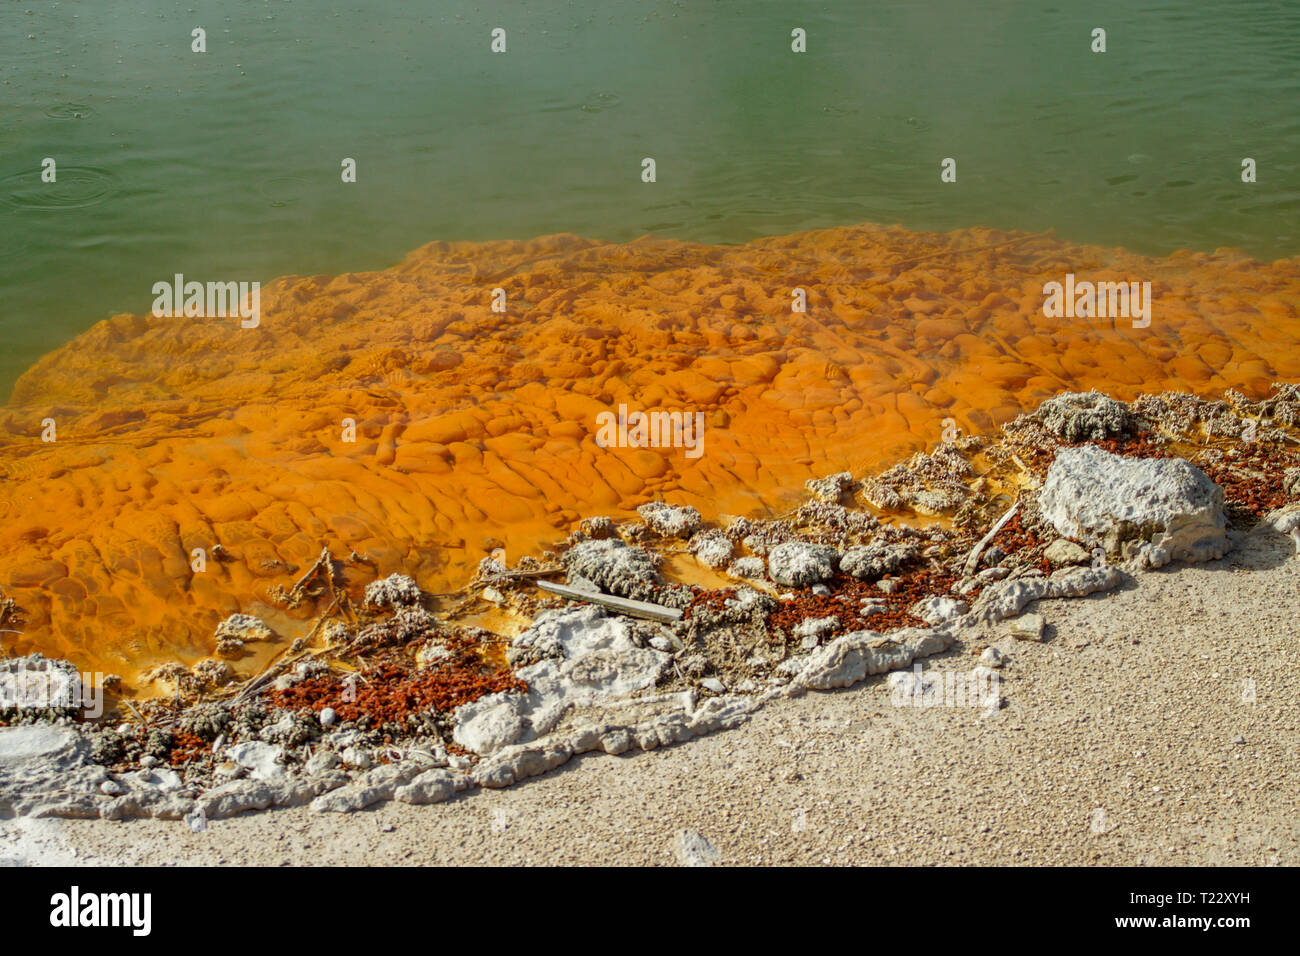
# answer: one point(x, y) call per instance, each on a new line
point(226, 164)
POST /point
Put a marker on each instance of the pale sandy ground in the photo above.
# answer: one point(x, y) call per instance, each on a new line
point(1116, 746)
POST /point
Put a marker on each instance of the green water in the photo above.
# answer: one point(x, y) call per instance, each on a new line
point(226, 165)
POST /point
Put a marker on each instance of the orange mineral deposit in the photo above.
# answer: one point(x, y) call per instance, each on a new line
point(475, 429)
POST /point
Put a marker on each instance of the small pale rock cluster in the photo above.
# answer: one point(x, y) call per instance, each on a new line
point(748, 567)
point(1085, 416)
point(670, 521)
point(939, 608)
point(800, 564)
point(833, 488)
point(714, 548)
point(37, 687)
point(929, 484)
point(394, 591)
point(1063, 552)
point(614, 567)
point(875, 560)
point(237, 630)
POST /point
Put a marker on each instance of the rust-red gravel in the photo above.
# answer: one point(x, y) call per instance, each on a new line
point(393, 687)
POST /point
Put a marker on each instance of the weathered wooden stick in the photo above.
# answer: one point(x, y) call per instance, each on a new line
point(973, 560)
point(529, 574)
point(642, 609)
point(323, 563)
point(510, 576)
point(139, 716)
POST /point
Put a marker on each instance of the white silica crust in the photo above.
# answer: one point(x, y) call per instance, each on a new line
point(1106, 500)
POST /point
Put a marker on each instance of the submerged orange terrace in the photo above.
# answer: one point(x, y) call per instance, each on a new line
point(477, 430)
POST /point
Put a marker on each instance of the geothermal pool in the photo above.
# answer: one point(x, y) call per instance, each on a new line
point(384, 404)
point(396, 415)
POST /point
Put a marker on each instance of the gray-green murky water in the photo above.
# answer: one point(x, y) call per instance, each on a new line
point(226, 164)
